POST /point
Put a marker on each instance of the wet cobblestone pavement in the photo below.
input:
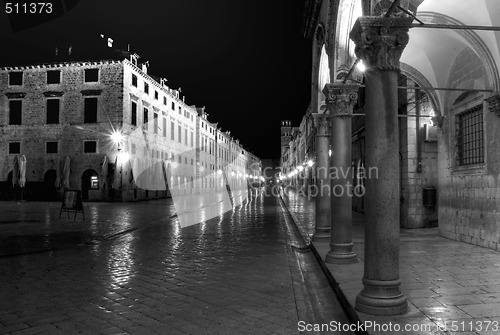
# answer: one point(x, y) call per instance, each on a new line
point(232, 275)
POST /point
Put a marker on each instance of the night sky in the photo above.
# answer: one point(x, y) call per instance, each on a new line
point(245, 60)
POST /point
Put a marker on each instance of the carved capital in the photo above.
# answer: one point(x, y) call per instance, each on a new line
point(341, 98)
point(322, 124)
point(494, 104)
point(380, 41)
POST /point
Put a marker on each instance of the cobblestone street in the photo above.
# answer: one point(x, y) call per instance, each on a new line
point(234, 274)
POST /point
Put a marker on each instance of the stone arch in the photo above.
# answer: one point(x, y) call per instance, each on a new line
point(49, 184)
point(475, 42)
point(422, 81)
point(86, 181)
point(319, 52)
point(473, 74)
point(348, 12)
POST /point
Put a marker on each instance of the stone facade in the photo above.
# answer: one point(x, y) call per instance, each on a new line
point(469, 196)
point(71, 109)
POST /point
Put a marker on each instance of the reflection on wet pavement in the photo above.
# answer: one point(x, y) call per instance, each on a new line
point(230, 275)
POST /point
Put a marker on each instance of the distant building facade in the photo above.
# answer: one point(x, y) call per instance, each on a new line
point(75, 109)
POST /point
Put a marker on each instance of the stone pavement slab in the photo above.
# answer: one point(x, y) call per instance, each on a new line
point(235, 274)
point(35, 226)
point(452, 287)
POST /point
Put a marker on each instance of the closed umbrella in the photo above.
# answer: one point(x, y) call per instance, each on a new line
point(116, 177)
point(15, 172)
point(66, 172)
point(104, 172)
point(57, 183)
point(22, 171)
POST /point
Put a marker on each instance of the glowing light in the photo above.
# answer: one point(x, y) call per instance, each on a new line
point(219, 171)
point(310, 163)
point(330, 153)
point(300, 168)
point(123, 157)
point(117, 137)
point(361, 67)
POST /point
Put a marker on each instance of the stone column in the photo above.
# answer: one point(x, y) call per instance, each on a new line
point(322, 191)
point(341, 99)
point(380, 42)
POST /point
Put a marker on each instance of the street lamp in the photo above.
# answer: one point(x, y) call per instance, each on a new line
point(117, 138)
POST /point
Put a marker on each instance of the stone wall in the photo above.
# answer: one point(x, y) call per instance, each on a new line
point(413, 180)
point(70, 132)
point(469, 197)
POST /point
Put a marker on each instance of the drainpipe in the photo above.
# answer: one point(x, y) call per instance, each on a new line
point(418, 132)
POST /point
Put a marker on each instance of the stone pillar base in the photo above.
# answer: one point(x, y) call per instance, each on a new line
point(322, 235)
point(381, 297)
point(341, 254)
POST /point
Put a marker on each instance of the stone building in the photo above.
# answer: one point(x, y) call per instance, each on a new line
point(412, 91)
point(107, 128)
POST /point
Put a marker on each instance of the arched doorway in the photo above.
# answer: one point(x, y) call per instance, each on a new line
point(49, 185)
point(89, 182)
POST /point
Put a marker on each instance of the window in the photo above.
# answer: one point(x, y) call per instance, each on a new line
point(146, 88)
point(145, 118)
point(179, 129)
point(90, 110)
point(165, 101)
point(173, 106)
point(51, 147)
point(52, 111)
point(15, 78)
point(180, 159)
point(14, 148)
point(155, 123)
point(470, 136)
point(192, 139)
point(134, 80)
point(133, 121)
point(186, 137)
point(89, 147)
point(53, 77)
point(172, 129)
point(180, 110)
point(156, 95)
point(15, 111)
point(164, 127)
point(91, 75)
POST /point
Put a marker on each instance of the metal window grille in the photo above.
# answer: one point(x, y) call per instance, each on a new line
point(470, 136)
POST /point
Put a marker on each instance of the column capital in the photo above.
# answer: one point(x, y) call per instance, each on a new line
point(321, 123)
point(380, 41)
point(341, 98)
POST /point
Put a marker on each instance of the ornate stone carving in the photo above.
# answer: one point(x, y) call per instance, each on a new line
point(494, 104)
point(341, 98)
point(322, 124)
point(380, 41)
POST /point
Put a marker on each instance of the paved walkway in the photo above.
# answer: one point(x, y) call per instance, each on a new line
point(452, 287)
point(130, 269)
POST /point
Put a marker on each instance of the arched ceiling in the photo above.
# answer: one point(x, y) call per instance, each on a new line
point(432, 51)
